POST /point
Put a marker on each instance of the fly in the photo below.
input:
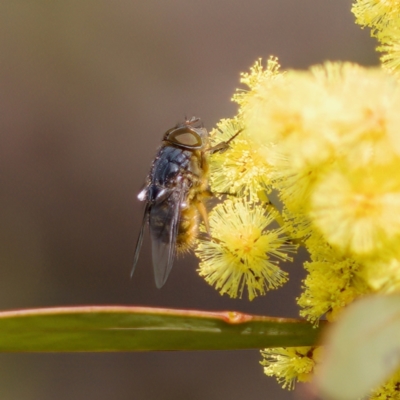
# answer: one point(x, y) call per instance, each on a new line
point(175, 191)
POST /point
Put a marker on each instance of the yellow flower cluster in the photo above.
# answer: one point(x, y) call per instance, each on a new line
point(333, 281)
point(389, 391)
point(241, 170)
point(326, 143)
point(331, 139)
point(291, 364)
point(243, 251)
point(383, 17)
point(246, 243)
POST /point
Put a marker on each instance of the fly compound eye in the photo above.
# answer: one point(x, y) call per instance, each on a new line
point(184, 137)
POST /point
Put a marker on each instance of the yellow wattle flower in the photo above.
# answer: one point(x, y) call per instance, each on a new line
point(290, 364)
point(241, 169)
point(375, 14)
point(253, 78)
point(383, 17)
point(390, 48)
point(358, 210)
point(388, 391)
point(324, 144)
point(243, 251)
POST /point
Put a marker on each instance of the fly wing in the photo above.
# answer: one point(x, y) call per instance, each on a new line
point(164, 225)
point(140, 238)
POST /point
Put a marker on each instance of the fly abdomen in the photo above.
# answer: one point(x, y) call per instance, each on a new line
point(187, 230)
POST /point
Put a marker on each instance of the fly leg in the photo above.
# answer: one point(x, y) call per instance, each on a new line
point(223, 145)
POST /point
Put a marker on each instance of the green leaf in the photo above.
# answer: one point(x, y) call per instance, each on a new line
point(363, 348)
point(118, 328)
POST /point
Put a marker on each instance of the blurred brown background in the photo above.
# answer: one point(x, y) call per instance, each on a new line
point(87, 89)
